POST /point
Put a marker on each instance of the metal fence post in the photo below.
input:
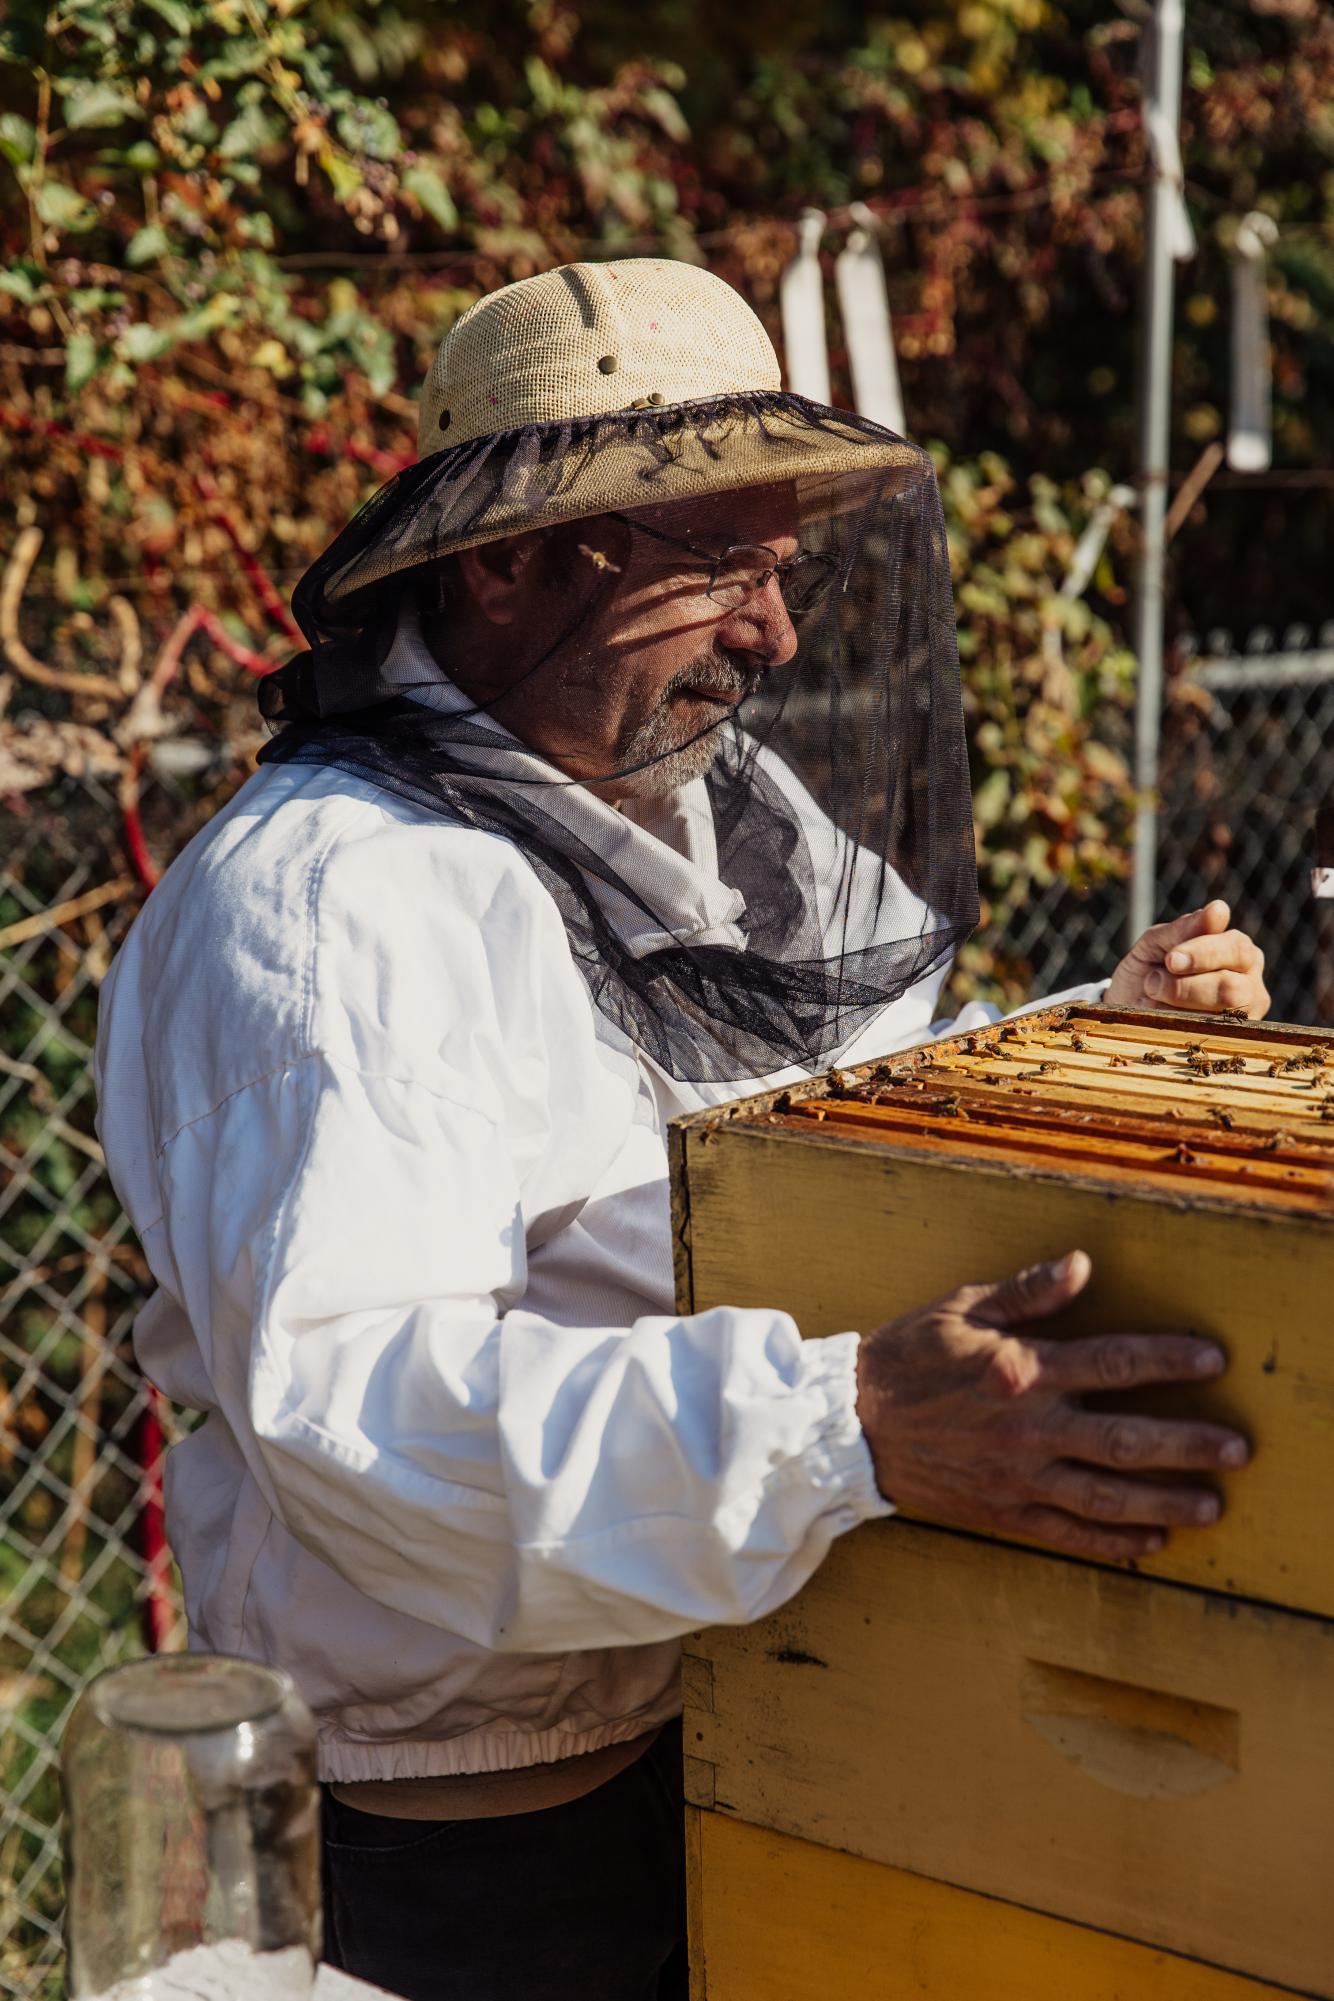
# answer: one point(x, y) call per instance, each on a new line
point(1322, 895)
point(1162, 112)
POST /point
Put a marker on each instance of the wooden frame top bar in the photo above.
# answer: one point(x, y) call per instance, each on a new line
point(1196, 1104)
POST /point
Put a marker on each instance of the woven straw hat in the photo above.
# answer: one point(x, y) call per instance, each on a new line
point(605, 387)
point(589, 339)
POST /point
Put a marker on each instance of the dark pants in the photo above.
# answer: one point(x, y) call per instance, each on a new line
point(583, 1902)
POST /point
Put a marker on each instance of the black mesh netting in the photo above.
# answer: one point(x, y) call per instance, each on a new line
point(622, 696)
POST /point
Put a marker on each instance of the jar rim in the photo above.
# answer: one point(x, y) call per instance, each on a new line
point(186, 1695)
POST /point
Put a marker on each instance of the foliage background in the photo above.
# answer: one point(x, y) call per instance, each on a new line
point(234, 231)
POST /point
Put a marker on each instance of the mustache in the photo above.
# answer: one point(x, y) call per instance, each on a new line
point(716, 674)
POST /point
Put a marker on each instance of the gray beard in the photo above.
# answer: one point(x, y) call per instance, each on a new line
point(655, 742)
point(670, 769)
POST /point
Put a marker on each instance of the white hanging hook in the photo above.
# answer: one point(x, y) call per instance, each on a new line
point(1249, 436)
point(801, 296)
point(1084, 561)
point(810, 232)
point(863, 302)
point(865, 226)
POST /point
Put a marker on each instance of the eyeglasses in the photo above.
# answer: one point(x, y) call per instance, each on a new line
point(745, 569)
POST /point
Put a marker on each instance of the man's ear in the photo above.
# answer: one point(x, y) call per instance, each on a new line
point(493, 574)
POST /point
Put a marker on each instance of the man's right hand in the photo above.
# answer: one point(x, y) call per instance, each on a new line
point(972, 1419)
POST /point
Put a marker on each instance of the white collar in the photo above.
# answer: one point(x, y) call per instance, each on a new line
point(665, 850)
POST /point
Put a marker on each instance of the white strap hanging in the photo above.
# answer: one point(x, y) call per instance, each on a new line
point(1093, 541)
point(1088, 550)
point(802, 299)
point(1249, 434)
point(1165, 149)
point(863, 302)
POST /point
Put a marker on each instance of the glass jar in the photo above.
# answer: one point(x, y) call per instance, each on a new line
point(192, 1849)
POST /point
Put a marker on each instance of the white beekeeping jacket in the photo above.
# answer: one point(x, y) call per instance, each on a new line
point(465, 1474)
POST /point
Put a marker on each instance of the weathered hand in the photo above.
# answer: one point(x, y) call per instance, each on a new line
point(972, 1420)
point(1194, 963)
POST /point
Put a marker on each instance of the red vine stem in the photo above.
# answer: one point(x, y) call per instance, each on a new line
point(145, 868)
point(158, 1615)
point(105, 448)
point(263, 588)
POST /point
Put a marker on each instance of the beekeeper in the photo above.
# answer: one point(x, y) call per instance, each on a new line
point(625, 773)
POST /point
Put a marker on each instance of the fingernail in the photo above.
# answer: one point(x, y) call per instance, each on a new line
point(1210, 1362)
point(1177, 962)
point(1207, 1510)
point(1235, 1453)
point(1153, 983)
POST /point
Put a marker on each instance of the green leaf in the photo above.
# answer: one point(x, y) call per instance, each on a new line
point(142, 342)
point(22, 282)
point(369, 129)
point(61, 207)
point(372, 348)
point(426, 185)
point(176, 15)
point(147, 243)
point(344, 175)
point(256, 228)
point(241, 56)
point(81, 359)
point(98, 104)
point(223, 309)
point(17, 139)
point(251, 131)
point(142, 157)
point(991, 798)
point(544, 85)
point(663, 108)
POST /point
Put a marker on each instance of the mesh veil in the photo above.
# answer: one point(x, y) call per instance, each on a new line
point(837, 796)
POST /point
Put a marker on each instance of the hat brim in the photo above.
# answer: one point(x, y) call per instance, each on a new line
point(515, 482)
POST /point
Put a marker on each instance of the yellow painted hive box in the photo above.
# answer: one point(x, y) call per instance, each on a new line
point(967, 1769)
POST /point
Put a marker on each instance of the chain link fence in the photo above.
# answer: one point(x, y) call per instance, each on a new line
point(1247, 762)
point(1248, 756)
point(80, 1577)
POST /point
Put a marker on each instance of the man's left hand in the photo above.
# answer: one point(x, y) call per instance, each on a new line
point(1195, 963)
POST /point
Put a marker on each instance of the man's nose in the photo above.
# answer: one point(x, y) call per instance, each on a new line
point(762, 626)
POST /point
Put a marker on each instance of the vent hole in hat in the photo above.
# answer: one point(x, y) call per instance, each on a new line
point(608, 364)
point(443, 420)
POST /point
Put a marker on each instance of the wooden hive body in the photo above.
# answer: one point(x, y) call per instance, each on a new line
point(969, 1769)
